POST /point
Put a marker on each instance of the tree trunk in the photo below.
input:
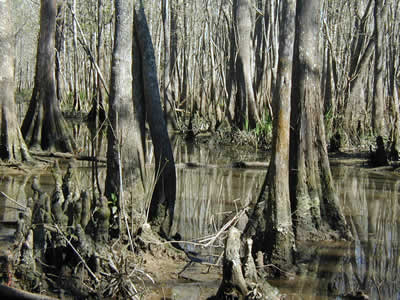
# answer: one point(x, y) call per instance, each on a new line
point(77, 102)
point(120, 135)
point(97, 113)
point(378, 102)
point(276, 238)
point(167, 84)
point(44, 126)
point(245, 108)
point(297, 195)
point(312, 193)
point(59, 49)
point(12, 144)
point(163, 200)
point(233, 282)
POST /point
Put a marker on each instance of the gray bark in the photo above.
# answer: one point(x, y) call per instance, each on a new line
point(276, 237)
point(233, 282)
point(245, 107)
point(277, 209)
point(44, 126)
point(378, 102)
point(121, 130)
point(314, 201)
point(12, 144)
point(59, 49)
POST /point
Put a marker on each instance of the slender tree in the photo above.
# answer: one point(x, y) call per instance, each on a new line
point(378, 103)
point(97, 113)
point(168, 65)
point(12, 144)
point(272, 220)
point(44, 126)
point(123, 138)
point(60, 26)
point(161, 211)
point(245, 103)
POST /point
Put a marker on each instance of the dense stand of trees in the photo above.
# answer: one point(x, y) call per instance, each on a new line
point(307, 65)
point(219, 60)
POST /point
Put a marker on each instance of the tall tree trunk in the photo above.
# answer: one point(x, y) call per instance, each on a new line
point(245, 109)
point(121, 131)
point(276, 238)
point(97, 113)
point(44, 126)
point(59, 49)
point(12, 144)
point(314, 202)
point(76, 104)
point(167, 84)
point(162, 204)
point(378, 102)
point(297, 195)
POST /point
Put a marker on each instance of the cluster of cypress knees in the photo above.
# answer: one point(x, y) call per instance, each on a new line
point(56, 234)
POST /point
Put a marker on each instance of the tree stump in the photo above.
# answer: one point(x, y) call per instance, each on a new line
point(242, 281)
point(233, 282)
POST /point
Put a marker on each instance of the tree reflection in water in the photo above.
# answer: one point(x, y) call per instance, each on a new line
point(372, 208)
point(327, 270)
point(369, 264)
point(211, 192)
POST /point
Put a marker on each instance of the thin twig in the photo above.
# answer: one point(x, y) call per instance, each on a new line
point(226, 226)
point(14, 201)
point(87, 49)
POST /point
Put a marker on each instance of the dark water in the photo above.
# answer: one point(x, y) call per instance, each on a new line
point(369, 199)
point(370, 264)
point(209, 194)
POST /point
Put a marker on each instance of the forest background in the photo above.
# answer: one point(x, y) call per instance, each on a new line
point(200, 71)
point(221, 67)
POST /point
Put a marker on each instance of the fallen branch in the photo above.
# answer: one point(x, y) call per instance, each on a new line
point(224, 228)
point(7, 292)
point(13, 201)
point(68, 156)
point(233, 165)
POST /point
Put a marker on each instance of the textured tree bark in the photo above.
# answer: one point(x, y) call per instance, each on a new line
point(277, 211)
point(275, 236)
point(297, 195)
point(12, 144)
point(314, 202)
point(233, 282)
point(59, 49)
point(44, 126)
point(245, 106)
point(163, 200)
point(378, 102)
point(121, 137)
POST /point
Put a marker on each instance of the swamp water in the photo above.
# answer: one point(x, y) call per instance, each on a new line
point(211, 191)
